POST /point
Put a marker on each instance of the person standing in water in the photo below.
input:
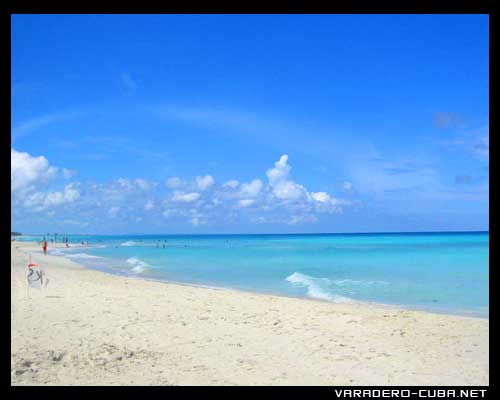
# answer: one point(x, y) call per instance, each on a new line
point(44, 246)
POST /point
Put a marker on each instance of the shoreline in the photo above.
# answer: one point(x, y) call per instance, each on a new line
point(374, 304)
point(152, 318)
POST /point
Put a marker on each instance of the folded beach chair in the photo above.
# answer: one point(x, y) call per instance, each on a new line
point(36, 276)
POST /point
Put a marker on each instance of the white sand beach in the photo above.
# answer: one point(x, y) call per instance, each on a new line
point(91, 328)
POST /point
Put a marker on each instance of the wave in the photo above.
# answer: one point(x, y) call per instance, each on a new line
point(56, 252)
point(315, 289)
point(81, 255)
point(128, 243)
point(139, 266)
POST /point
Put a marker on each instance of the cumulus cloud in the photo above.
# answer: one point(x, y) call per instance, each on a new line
point(289, 190)
point(280, 171)
point(204, 182)
point(321, 197)
point(279, 200)
point(245, 202)
point(233, 184)
point(173, 182)
point(185, 197)
point(28, 172)
point(143, 184)
point(69, 195)
point(284, 188)
point(296, 196)
point(136, 184)
point(251, 189)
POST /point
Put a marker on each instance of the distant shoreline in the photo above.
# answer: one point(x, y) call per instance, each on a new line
point(264, 234)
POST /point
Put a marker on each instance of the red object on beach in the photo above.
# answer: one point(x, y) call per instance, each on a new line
point(32, 265)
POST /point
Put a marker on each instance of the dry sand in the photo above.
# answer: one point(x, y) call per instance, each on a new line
point(92, 328)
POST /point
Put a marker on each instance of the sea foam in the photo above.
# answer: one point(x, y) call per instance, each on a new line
point(81, 255)
point(139, 266)
point(315, 287)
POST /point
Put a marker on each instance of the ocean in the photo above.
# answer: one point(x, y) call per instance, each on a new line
point(438, 272)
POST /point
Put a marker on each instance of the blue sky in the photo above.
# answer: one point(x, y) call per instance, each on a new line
point(256, 123)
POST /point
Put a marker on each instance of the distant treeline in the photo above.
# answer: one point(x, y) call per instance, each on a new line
point(16, 234)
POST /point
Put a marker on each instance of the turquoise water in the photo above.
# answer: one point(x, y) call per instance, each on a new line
point(441, 272)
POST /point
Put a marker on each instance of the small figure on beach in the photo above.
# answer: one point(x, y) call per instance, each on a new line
point(44, 246)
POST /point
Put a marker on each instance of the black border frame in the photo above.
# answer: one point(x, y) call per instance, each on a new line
point(10, 7)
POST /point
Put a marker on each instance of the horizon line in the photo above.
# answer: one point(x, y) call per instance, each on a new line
point(235, 234)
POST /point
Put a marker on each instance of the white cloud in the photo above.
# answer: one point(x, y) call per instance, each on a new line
point(321, 197)
point(251, 189)
point(233, 184)
point(283, 188)
point(245, 202)
point(133, 185)
point(280, 171)
point(125, 183)
point(298, 219)
point(204, 182)
point(288, 190)
point(173, 183)
point(71, 193)
point(55, 199)
point(143, 184)
point(185, 197)
point(280, 200)
point(28, 172)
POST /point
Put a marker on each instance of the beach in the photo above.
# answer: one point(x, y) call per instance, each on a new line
point(92, 328)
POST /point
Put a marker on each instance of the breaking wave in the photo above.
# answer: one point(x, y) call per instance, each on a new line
point(325, 289)
point(81, 255)
point(128, 243)
point(139, 266)
point(316, 287)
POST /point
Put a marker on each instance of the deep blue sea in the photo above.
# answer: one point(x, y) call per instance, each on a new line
point(440, 272)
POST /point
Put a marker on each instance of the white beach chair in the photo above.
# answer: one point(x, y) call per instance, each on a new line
point(35, 276)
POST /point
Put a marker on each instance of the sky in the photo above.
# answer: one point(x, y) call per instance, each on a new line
point(126, 124)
